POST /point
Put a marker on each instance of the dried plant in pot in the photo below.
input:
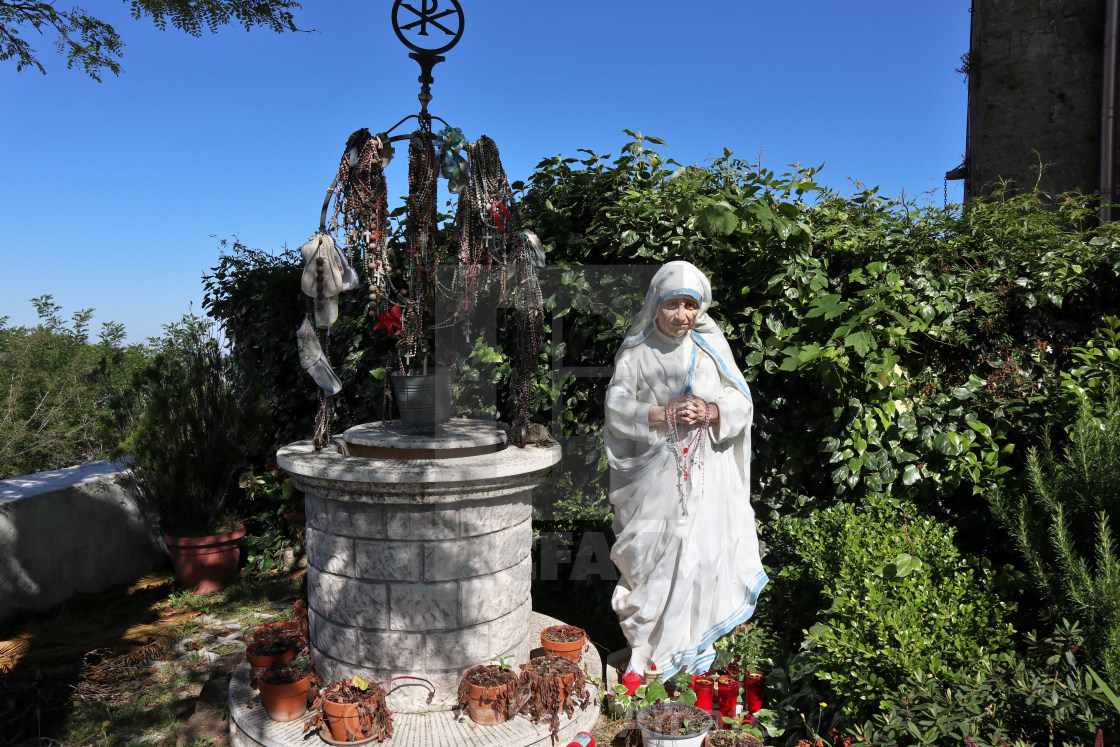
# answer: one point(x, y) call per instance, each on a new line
point(354, 710)
point(552, 685)
point(726, 738)
point(287, 688)
point(564, 640)
point(673, 725)
point(272, 643)
point(489, 693)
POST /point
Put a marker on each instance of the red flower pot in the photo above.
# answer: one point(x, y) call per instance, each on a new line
point(286, 702)
point(572, 650)
point(205, 563)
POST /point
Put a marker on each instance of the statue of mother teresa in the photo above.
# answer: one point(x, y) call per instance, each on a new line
point(678, 420)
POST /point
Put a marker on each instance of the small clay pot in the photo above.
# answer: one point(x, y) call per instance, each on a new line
point(274, 632)
point(568, 649)
point(286, 702)
point(485, 705)
point(341, 719)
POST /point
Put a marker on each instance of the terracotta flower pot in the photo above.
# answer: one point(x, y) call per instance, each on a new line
point(271, 643)
point(552, 684)
point(342, 718)
point(205, 563)
point(488, 705)
point(261, 662)
point(568, 649)
point(286, 702)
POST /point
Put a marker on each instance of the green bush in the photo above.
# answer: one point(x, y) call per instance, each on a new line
point(1064, 526)
point(198, 422)
point(1042, 696)
point(55, 386)
point(887, 594)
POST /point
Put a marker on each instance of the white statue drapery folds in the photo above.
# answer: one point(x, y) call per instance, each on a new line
point(686, 547)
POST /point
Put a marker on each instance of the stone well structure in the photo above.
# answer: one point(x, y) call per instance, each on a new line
point(418, 547)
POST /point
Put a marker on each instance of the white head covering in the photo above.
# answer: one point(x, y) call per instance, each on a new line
point(674, 280)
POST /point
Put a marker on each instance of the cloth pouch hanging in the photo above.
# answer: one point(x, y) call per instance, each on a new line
point(321, 245)
point(313, 361)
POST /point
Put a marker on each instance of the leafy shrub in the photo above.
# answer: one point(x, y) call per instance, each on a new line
point(1064, 527)
point(895, 597)
point(55, 386)
point(1042, 696)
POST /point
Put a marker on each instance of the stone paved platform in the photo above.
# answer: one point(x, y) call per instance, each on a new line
point(250, 725)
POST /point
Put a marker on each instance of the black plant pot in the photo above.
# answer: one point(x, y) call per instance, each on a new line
point(423, 399)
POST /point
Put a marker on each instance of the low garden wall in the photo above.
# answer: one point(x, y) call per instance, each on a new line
point(70, 531)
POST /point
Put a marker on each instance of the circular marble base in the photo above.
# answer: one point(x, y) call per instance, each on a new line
point(458, 437)
point(250, 726)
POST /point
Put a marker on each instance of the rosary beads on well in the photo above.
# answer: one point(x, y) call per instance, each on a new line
point(403, 280)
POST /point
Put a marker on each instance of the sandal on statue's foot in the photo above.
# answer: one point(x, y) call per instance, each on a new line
point(312, 359)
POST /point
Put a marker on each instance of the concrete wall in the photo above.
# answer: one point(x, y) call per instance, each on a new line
point(70, 531)
point(1035, 72)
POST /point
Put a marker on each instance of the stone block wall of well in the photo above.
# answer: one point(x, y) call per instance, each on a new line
point(403, 588)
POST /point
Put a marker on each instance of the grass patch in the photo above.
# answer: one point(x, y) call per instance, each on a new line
point(103, 669)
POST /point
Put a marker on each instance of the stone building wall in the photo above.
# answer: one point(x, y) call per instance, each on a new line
point(1035, 72)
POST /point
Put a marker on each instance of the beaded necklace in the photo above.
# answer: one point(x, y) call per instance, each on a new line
point(685, 455)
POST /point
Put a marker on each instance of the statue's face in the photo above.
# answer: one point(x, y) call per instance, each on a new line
point(676, 316)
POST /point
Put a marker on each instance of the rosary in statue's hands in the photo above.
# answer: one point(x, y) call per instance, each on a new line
point(692, 410)
point(688, 410)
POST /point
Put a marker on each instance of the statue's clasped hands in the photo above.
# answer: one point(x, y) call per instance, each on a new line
point(692, 410)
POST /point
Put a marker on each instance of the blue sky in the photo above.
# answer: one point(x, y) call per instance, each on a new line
point(114, 195)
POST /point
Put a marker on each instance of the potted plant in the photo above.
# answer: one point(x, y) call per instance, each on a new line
point(488, 692)
point(672, 724)
point(731, 738)
point(564, 640)
point(551, 685)
point(190, 441)
point(352, 710)
point(272, 643)
point(286, 688)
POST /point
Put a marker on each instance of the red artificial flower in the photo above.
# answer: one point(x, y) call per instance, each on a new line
point(390, 321)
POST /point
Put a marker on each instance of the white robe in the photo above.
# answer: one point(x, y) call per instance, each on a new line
point(690, 567)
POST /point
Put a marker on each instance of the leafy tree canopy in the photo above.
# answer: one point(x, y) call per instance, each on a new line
point(96, 46)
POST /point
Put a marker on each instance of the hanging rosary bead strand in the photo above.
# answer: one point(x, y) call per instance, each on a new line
point(687, 455)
